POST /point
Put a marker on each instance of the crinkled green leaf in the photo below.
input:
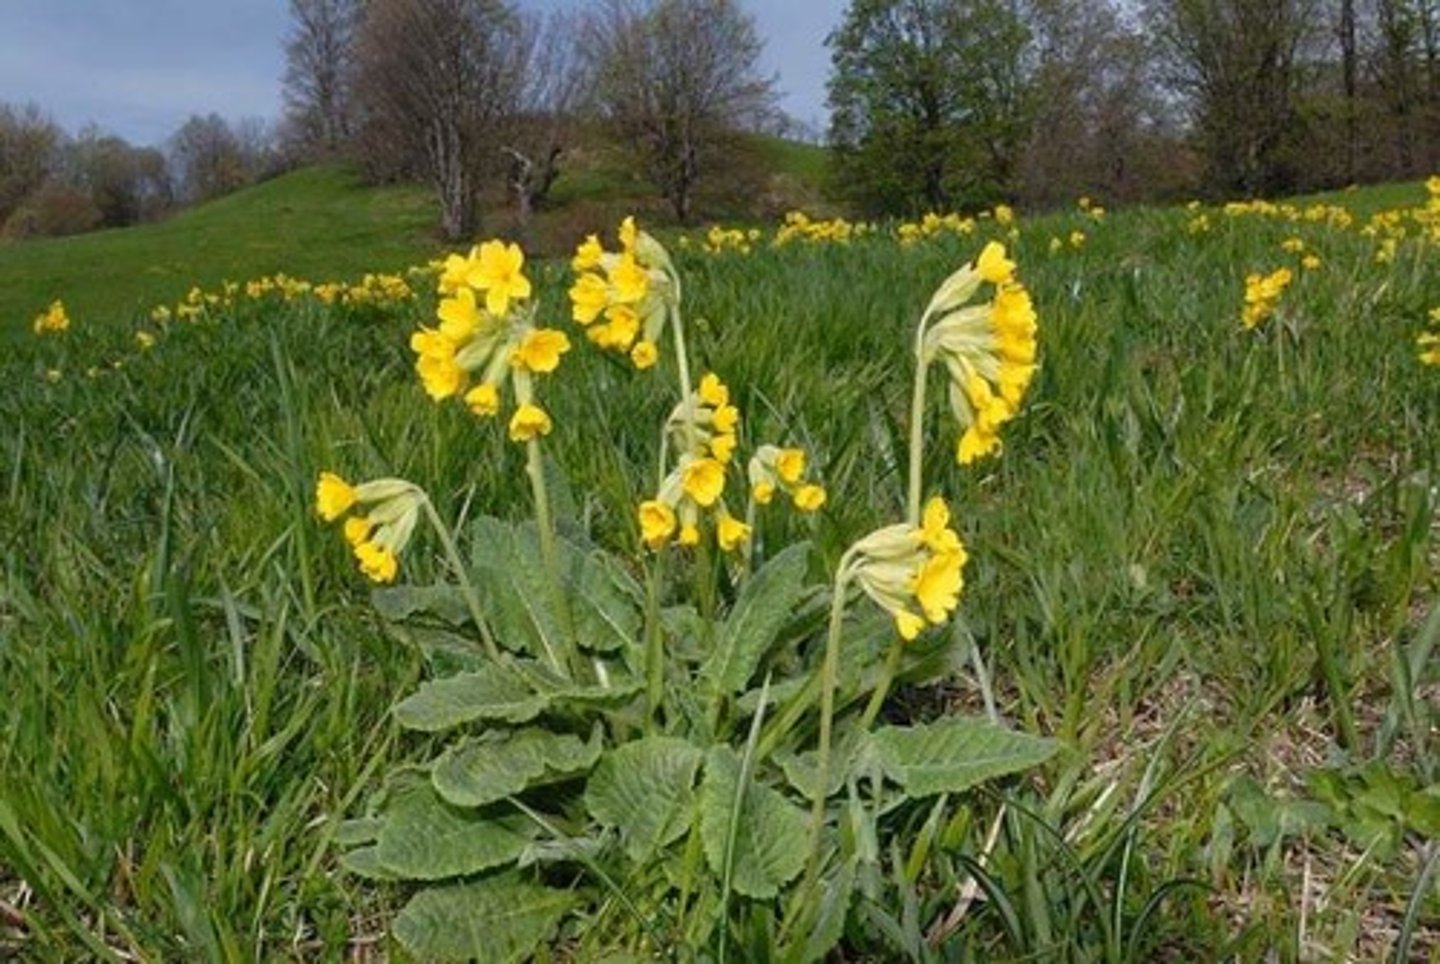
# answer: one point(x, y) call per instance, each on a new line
point(425, 838)
point(365, 862)
point(604, 599)
point(480, 772)
point(353, 833)
point(767, 601)
point(494, 692)
point(954, 754)
point(646, 790)
point(397, 603)
point(564, 693)
point(518, 596)
point(496, 920)
point(770, 835)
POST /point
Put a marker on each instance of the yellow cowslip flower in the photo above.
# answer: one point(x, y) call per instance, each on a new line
point(1310, 262)
point(713, 391)
point(703, 480)
point(1056, 245)
point(725, 419)
point(1077, 239)
point(1261, 294)
point(1004, 215)
point(988, 350)
point(1292, 245)
point(689, 534)
point(773, 468)
point(634, 289)
point(483, 400)
point(657, 523)
point(644, 355)
point(539, 350)
point(790, 465)
point(53, 375)
point(993, 266)
point(588, 254)
point(1429, 344)
point(497, 270)
point(722, 447)
point(808, 497)
point(52, 320)
point(334, 496)
point(378, 537)
point(730, 532)
point(903, 567)
point(459, 315)
point(530, 421)
point(144, 340)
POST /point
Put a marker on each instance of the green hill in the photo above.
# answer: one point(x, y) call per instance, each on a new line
point(323, 223)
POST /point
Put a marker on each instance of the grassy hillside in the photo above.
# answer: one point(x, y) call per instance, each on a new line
point(319, 223)
point(1205, 563)
point(323, 224)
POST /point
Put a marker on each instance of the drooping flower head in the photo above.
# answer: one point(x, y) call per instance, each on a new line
point(773, 469)
point(906, 568)
point(988, 349)
point(380, 534)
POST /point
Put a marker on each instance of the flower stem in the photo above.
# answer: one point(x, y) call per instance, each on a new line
point(829, 670)
point(535, 469)
point(467, 588)
point(882, 688)
point(917, 429)
point(654, 649)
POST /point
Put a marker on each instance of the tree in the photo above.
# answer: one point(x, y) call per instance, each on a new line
point(928, 102)
point(551, 85)
point(29, 153)
point(676, 78)
point(207, 158)
point(126, 184)
point(434, 78)
point(319, 62)
point(1237, 64)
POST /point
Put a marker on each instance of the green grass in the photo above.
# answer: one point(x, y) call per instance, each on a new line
point(317, 223)
point(1206, 561)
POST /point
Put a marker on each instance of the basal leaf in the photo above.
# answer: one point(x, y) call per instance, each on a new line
point(765, 604)
point(646, 790)
point(497, 919)
point(955, 754)
point(397, 603)
point(425, 838)
point(493, 692)
point(770, 833)
point(479, 772)
point(518, 595)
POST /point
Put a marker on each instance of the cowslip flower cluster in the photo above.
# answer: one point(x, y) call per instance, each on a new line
point(1262, 292)
point(933, 225)
point(380, 534)
point(702, 429)
point(913, 572)
point(52, 320)
point(623, 299)
point(487, 337)
point(773, 468)
point(800, 227)
point(1429, 341)
point(988, 349)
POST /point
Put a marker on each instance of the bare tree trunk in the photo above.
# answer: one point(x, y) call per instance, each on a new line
point(1347, 58)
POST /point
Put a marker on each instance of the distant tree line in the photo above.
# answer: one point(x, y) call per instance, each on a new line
point(945, 104)
point(54, 183)
point(469, 94)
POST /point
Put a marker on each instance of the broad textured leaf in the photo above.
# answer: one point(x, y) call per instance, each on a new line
point(479, 772)
point(953, 755)
point(646, 790)
point(498, 919)
point(494, 692)
point(561, 692)
point(765, 604)
point(519, 598)
point(365, 862)
point(425, 838)
point(605, 601)
point(771, 832)
point(353, 833)
point(397, 603)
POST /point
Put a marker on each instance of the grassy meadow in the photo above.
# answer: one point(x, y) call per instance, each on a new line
point(1207, 562)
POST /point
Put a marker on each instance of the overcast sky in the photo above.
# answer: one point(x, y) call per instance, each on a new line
point(138, 68)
